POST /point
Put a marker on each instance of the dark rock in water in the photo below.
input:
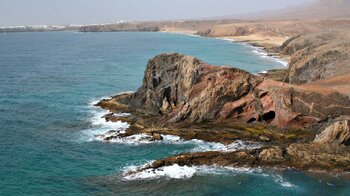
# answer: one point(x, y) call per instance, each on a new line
point(298, 156)
point(207, 158)
point(156, 137)
point(338, 134)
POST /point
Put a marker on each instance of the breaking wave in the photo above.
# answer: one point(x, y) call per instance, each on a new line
point(175, 171)
point(98, 124)
point(198, 145)
point(263, 54)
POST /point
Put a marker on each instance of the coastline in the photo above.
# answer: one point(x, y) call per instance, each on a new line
point(263, 117)
point(261, 48)
point(279, 152)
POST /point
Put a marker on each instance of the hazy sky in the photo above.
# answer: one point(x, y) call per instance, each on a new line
point(25, 12)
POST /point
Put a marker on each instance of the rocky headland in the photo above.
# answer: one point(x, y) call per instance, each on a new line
point(300, 127)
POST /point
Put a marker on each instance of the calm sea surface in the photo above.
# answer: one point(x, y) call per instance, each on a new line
point(48, 82)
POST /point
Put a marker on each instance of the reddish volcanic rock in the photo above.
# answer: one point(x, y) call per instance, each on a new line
point(186, 97)
point(181, 88)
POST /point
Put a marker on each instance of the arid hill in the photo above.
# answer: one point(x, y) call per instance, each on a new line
point(317, 9)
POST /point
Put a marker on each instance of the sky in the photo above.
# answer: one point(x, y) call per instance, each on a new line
point(50, 12)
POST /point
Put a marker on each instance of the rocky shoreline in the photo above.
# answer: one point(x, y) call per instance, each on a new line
point(186, 97)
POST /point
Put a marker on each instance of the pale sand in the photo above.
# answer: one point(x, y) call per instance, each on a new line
point(177, 30)
point(266, 42)
point(255, 40)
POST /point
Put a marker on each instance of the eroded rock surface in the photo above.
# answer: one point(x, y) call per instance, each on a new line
point(317, 56)
point(186, 97)
point(311, 156)
point(338, 134)
point(183, 89)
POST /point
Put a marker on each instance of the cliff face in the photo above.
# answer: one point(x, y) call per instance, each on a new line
point(186, 97)
point(184, 89)
point(317, 56)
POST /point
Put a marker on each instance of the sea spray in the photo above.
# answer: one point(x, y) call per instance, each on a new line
point(182, 172)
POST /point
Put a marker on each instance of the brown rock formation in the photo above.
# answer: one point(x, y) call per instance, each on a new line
point(180, 89)
point(298, 156)
point(315, 156)
point(184, 96)
point(317, 56)
point(338, 134)
point(272, 155)
point(156, 137)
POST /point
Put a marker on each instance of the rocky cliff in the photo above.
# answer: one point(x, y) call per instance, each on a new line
point(186, 97)
point(181, 89)
point(317, 56)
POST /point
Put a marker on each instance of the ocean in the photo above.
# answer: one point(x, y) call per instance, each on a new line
point(48, 85)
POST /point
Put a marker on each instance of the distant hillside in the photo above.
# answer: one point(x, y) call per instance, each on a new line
point(320, 9)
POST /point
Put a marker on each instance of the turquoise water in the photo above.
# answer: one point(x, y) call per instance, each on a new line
point(48, 82)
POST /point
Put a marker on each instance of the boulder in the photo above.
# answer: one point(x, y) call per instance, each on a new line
point(156, 137)
point(337, 133)
point(271, 155)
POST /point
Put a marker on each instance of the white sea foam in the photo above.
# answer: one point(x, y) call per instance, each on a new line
point(226, 39)
point(182, 172)
point(99, 125)
point(173, 171)
point(260, 52)
point(257, 50)
point(133, 139)
point(279, 179)
point(100, 129)
point(183, 33)
point(203, 146)
point(125, 92)
point(198, 145)
point(121, 114)
point(263, 54)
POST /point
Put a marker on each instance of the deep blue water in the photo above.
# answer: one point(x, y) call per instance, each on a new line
point(47, 84)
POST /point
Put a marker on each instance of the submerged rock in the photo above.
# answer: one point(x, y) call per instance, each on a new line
point(156, 137)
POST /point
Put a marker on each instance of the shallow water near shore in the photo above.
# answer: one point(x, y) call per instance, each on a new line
point(48, 84)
